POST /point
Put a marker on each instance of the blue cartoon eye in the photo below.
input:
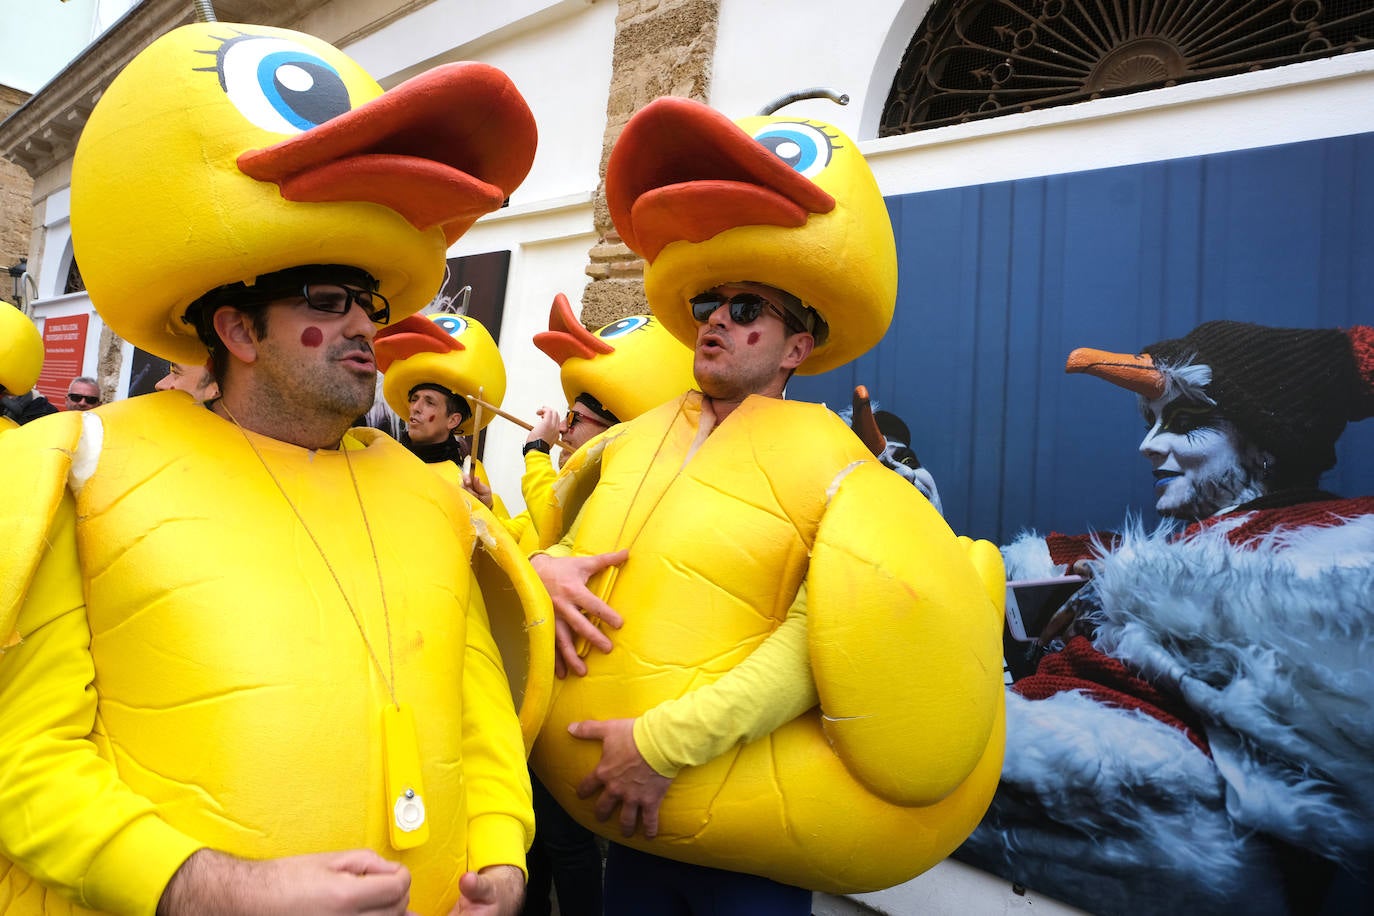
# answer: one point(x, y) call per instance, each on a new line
point(803, 147)
point(279, 85)
point(622, 327)
point(455, 325)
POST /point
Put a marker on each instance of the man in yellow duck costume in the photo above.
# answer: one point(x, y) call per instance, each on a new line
point(804, 691)
point(247, 665)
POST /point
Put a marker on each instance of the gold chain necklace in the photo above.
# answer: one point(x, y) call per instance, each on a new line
point(401, 755)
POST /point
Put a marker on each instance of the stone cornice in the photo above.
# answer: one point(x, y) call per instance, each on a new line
point(43, 131)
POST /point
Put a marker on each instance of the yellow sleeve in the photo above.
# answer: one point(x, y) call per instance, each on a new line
point(768, 689)
point(65, 817)
point(500, 816)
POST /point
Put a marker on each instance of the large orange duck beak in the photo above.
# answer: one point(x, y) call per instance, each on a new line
point(441, 149)
point(409, 336)
point(566, 337)
point(682, 171)
point(1133, 372)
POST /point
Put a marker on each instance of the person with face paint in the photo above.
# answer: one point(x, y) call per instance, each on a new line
point(1200, 740)
point(247, 661)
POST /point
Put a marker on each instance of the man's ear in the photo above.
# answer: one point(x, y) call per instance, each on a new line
point(799, 347)
point(455, 420)
point(235, 330)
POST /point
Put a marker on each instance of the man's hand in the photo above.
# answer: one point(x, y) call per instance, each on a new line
point(546, 426)
point(473, 484)
point(565, 579)
point(211, 883)
point(497, 890)
point(622, 776)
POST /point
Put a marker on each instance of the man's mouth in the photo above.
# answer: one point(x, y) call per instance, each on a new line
point(1162, 478)
point(711, 342)
point(361, 360)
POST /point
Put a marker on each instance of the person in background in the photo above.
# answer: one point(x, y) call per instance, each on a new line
point(197, 381)
point(83, 394)
point(1198, 737)
point(435, 414)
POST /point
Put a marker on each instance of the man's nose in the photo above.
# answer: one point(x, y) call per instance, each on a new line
point(357, 324)
point(1149, 446)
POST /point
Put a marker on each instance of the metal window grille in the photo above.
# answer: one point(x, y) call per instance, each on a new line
point(975, 59)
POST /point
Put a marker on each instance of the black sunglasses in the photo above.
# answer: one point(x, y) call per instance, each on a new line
point(575, 417)
point(84, 398)
point(745, 308)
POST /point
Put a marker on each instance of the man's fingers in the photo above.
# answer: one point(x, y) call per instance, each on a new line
point(588, 787)
point(600, 561)
point(582, 626)
point(629, 819)
point(389, 893)
point(650, 815)
point(565, 651)
point(477, 888)
point(364, 862)
point(599, 609)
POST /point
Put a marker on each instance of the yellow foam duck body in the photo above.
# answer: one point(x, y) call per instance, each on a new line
point(137, 728)
point(900, 760)
point(21, 355)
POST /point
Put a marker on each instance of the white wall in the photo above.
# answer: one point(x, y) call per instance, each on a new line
point(557, 53)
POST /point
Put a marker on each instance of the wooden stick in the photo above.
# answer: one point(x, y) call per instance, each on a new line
point(476, 437)
point(518, 422)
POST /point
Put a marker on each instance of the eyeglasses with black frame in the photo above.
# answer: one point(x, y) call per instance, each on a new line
point(745, 308)
point(83, 398)
point(337, 299)
point(575, 417)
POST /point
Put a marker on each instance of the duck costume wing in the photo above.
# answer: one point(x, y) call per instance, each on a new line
point(898, 762)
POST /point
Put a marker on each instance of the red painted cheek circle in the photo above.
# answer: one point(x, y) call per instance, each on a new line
point(753, 338)
point(312, 336)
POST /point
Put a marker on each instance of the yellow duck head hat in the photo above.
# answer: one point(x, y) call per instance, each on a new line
point(21, 351)
point(224, 152)
point(453, 351)
point(784, 201)
point(629, 366)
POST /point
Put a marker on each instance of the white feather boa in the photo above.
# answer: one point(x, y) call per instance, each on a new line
point(1272, 647)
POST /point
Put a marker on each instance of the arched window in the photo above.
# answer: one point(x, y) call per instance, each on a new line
point(982, 58)
point(74, 282)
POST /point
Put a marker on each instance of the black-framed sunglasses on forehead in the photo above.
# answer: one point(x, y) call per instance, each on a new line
point(745, 308)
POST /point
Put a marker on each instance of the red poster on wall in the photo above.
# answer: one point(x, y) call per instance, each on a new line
point(64, 346)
